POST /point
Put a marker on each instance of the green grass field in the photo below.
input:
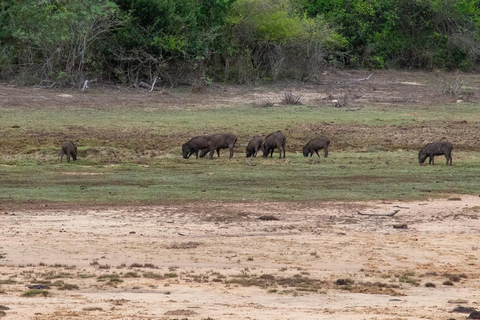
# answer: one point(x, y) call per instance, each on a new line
point(342, 176)
point(132, 155)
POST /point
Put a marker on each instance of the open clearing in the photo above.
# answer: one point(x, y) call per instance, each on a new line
point(133, 231)
point(219, 261)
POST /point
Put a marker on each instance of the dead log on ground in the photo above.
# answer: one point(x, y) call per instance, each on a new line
point(391, 214)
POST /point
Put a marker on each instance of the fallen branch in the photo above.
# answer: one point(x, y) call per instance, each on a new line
point(153, 84)
point(143, 84)
point(363, 79)
point(250, 164)
point(379, 214)
point(85, 84)
point(50, 86)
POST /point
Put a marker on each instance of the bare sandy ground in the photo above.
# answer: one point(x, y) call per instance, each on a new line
point(219, 261)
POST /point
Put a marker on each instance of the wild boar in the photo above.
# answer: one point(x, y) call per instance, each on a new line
point(68, 149)
point(220, 141)
point(435, 149)
point(253, 146)
point(272, 141)
point(194, 145)
point(316, 144)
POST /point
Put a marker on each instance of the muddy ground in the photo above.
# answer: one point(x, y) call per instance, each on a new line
point(220, 261)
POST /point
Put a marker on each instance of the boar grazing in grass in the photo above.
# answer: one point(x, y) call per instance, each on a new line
point(68, 149)
point(315, 145)
point(254, 145)
point(272, 141)
point(436, 149)
point(194, 145)
point(220, 141)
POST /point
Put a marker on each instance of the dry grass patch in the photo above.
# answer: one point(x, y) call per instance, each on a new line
point(36, 293)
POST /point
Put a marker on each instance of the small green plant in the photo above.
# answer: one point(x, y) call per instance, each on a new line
point(455, 87)
point(289, 98)
point(8, 281)
point(407, 278)
point(68, 286)
point(103, 267)
point(54, 275)
point(36, 293)
point(266, 102)
point(430, 285)
point(455, 277)
point(131, 275)
point(92, 309)
point(448, 283)
point(112, 278)
point(153, 275)
point(146, 265)
point(171, 275)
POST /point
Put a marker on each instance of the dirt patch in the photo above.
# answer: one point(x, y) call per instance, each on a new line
point(388, 89)
point(321, 260)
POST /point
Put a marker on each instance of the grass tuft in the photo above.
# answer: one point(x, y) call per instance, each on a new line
point(36, 293)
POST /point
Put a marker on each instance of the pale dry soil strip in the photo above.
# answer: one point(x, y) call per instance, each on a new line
point(323, 241)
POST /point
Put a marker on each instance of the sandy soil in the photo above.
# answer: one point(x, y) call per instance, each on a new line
point(383, 87)
point(220, 261)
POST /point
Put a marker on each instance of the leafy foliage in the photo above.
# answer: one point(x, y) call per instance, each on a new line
point(55, 40)
point(189, 41)
point(279, 41)
point(404, 33)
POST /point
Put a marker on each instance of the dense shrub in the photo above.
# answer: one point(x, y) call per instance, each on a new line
point(422, 34)
point(270, 40)
point(55, 40)
point(195, 42)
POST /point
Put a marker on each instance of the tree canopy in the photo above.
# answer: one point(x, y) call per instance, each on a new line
point(191, 41)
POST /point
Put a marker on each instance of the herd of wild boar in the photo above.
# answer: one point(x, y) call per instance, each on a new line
point(276, 140)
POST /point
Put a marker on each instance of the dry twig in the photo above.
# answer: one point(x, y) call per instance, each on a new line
point(391, 214)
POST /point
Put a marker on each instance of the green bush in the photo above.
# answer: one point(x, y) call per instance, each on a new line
point(197, 42)
point(423, 34)
point(279, 40)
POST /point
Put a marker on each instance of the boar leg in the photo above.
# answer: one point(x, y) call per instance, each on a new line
point(449, 158)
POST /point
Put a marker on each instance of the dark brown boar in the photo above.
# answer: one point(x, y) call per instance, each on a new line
point(68, 149)
point(272, 141)
point(194, 145)
point(253, 146)
point(435, 149)
point(316, 144)
point(219, 141)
